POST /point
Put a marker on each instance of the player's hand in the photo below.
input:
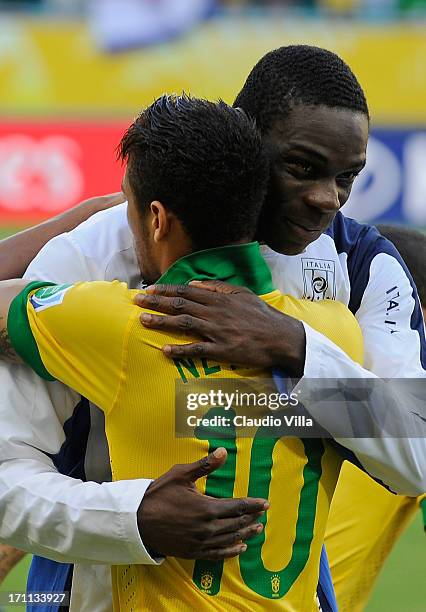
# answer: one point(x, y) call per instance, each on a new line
point(235, 325)
point(176, 520)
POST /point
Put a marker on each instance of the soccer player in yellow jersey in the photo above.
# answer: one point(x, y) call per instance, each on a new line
point(366, 520)
point(195, 181)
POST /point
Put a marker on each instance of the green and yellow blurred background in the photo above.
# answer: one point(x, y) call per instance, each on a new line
point(74, 73)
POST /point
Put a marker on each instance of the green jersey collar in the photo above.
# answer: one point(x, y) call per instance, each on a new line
point(240, 264)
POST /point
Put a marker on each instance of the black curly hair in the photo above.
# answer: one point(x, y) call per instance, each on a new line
point(299, 74)
point(204, 161)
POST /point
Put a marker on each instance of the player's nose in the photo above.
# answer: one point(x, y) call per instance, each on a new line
point(324, 197)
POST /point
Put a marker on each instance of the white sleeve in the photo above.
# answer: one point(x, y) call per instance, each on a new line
point(61, 261)
point(391, 320)
point(393, 331)
point(88, 522)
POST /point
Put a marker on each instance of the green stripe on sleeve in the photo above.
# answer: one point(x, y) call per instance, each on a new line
point(423, 508)
point(20, 333)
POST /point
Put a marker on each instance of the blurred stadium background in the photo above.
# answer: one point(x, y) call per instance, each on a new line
point(73, 73)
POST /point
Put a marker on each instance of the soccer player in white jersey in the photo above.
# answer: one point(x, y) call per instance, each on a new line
point(365, 521)
point(102, 523)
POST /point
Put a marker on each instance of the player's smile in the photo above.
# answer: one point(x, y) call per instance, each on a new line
point(307, 230)
point(316, 154)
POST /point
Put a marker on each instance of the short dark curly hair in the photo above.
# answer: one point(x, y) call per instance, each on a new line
point(299, 74)
point(204, 161)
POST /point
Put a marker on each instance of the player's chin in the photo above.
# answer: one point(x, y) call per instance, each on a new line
point(287, 246)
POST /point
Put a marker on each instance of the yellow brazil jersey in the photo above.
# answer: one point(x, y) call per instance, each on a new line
point(89, 336)
point(364, 523)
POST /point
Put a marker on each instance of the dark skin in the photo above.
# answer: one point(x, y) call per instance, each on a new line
point(316, 154)
point(206, 528)
point(194, 310)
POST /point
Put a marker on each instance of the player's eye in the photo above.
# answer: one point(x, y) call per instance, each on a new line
point(346, 179)
point(300, 167)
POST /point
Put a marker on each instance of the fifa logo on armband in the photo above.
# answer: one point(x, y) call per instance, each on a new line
point(206, 581)
point(275, 584)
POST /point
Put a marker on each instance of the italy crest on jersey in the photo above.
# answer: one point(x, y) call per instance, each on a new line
point(319, 281)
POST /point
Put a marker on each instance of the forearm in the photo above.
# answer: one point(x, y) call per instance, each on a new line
point(289, 346)
point(17, 251)
point(9, 557)
point(88, 523)
point(47, 513)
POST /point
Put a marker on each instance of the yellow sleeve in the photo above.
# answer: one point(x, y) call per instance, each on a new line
point(364, 523)
point(332, 319)
point(76, 334)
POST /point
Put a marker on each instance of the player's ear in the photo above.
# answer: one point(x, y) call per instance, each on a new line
point(160, 220)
